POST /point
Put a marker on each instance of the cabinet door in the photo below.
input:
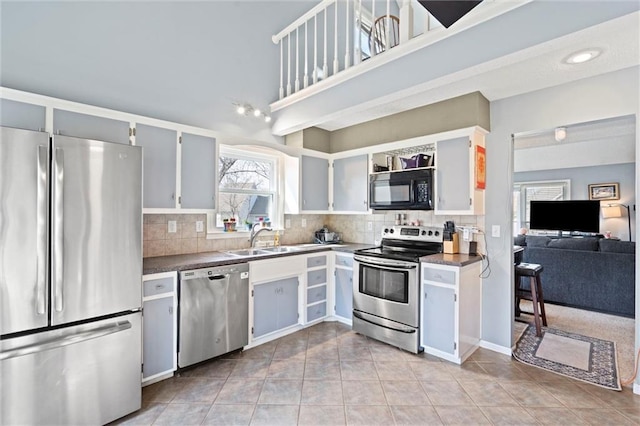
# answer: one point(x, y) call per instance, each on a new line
point(315, 183)
point(21, 115)
point(158, 338)
point(350, 184)
point(438, 330)
point(344, 293)
point(159, 150)
point(287, 302)
point(265, 308)
point(198, 183)
point(86, 126)
point(453, 190)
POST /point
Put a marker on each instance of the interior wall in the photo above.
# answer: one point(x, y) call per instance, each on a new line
point(581, 177)
point(610, 95)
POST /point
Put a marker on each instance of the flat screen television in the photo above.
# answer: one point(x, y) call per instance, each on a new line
point(570, 215)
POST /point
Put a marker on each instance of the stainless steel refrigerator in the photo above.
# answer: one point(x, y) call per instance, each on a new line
point(70, 277)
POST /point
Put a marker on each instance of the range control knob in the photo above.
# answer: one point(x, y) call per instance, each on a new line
point(386, 230)
point(430, 233)
point(424, 232)
point(391, 231)
point(437, 233)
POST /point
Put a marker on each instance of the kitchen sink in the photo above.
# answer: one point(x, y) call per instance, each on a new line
point(280, 249)
point(246, 252)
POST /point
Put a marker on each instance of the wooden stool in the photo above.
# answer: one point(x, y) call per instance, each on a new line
point(534, 293)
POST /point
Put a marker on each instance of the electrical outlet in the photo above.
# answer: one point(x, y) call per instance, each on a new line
point(287, 223)
point(369, 226)
point(495, 231)
point(173, 227)
point(466, 234)
point(199, 226)
point(304, 223)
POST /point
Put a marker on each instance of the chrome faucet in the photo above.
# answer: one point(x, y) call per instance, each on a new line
point(254, 233)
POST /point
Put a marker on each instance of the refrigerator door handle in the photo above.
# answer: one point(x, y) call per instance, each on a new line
point(58, 224)
point(41, 231)
point(67, 340)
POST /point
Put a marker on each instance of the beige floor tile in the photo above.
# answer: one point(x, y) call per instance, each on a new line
point(571, 395)
point(470, 415)
point(358, 370)
point(470, 370)
point(486, 394)
point(415, 415)
point(286, 369)
point(555, 416)
point(632, 414)
point(183, 414)
point(322, 392)
point(198, 389)
point(279, 391)
point(401, 392)
point(368, 415)
point(322, 370)
point(145, 416)
point(446, 393)
point(291, 350)
point(229, 415)
point(394, 370)
point(503, 371)
point(430, 371)
point(382, 352)
point(530, 394)
point(219, 368)
point(163, 391)
point(624, 399)
point(271, 415)
point(354, 352)
point(321, 415)
point(357, 392)
point(602, 416)
point(508, 416)
point(240, 391)
point(251, 368)
point(324, 352)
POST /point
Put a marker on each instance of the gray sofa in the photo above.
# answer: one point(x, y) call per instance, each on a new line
point(589, 273)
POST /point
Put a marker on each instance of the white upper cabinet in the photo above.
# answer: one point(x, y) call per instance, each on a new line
point(350, 184)
point(22, 115)
point(159, 153)
point(314, 184)
point(198, 182)
point(88, 126)
point(460, 171)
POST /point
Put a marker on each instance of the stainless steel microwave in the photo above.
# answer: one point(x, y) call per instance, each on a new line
point(405, 190)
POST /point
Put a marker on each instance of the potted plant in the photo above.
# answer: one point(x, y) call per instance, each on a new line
point(229, 224)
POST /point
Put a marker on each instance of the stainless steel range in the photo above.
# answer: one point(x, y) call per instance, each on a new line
point(386, 285)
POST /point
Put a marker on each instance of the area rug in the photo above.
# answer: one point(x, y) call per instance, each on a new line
point(572, 355)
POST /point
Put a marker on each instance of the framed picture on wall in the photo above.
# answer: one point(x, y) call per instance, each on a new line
point(481, 167)
point(604, 191)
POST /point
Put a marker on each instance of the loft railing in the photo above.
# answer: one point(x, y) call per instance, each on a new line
point(336, 35)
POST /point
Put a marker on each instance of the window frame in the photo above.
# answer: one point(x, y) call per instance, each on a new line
point(520, 200)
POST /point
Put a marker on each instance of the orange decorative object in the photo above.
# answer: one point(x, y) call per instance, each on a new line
point(481, 167)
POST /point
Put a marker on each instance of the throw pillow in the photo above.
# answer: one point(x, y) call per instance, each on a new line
point(617, 246)
point(586, 244)
point(537, 241)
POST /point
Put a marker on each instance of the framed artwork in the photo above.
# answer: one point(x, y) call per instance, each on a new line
point(604, 191)
point(481, 167)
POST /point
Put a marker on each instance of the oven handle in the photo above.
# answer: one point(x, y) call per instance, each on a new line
point(407, 330)
point(386, 265)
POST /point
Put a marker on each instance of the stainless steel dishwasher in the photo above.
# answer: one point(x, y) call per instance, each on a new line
point(214, 312)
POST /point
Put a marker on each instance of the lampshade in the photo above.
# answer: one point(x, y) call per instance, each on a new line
point(611, 211)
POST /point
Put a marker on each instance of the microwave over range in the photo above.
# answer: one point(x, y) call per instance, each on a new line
point(404, 190)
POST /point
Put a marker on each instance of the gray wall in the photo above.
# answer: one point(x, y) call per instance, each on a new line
point(609, 95)
point(581, 177)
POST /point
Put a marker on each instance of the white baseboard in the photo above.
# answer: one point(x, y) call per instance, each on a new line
point(496, 348)
point(636, 388)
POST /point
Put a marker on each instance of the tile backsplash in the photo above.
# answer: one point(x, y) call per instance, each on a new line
point(364, 229)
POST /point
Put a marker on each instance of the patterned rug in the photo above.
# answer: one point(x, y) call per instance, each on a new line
point(572, 355)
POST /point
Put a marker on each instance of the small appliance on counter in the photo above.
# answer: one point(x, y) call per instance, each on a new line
point(450, 238)
point(324, 236)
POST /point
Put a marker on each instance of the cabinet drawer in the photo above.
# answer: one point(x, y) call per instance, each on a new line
point(346, 261)
point(316, 311)
point(316, 261)
point(316, 277)
point(316, 294)
point(157, 286)
point(439, 275)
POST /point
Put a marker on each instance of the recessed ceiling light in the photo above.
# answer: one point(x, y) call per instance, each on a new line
point(582, 56)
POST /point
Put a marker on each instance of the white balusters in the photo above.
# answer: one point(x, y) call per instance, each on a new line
point(305, 80)
point(372, 42)
point(347, 58)
point(336, 64)
point(297, 60)
point(281, 92)
point(315, 49)
point(325, 67)
point(289, 64)
point(389, 28)
point(357, 54)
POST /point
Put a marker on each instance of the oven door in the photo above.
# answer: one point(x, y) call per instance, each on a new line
point(386, 288)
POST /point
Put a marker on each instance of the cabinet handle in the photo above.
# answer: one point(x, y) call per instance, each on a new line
point(159, 286)
point(170, 310)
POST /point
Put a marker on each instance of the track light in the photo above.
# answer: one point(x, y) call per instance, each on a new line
point(241, 109)
point(247, 109)
point(560, 134)
point(256, 112)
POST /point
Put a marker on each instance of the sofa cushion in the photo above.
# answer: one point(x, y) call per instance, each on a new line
point(587, 244)
point(537, 241)
point(520, 240)
point(617, 246)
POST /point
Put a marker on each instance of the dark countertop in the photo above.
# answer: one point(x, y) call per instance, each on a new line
point(459, 259)
point(182, 262)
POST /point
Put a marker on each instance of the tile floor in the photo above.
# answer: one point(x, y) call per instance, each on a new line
point(329, 375)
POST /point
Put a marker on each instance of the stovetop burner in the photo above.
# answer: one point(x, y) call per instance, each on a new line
point(407, 243)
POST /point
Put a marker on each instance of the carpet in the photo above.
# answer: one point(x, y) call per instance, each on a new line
point(572, 355)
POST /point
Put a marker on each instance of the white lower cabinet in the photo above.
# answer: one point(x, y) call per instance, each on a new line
point(343, 287)
point(316, 287)
point(159, 322)
point(275, 306)
point(451, 310)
